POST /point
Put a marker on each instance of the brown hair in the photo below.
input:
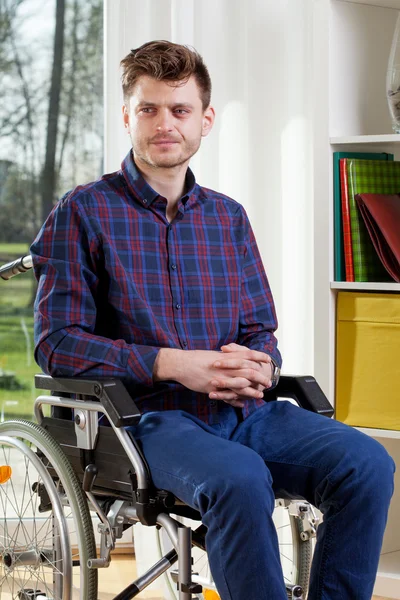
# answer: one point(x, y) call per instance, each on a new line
point(165, 61)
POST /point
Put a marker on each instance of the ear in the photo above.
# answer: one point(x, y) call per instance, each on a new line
point(208, 121)
point(125, 116)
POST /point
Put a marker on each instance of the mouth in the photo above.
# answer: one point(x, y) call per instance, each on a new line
point(165, 143)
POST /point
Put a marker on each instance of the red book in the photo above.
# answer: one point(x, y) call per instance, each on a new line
point(381, 214)
point(344, 192)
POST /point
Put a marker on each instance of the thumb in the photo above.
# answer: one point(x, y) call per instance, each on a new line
point(232, 347)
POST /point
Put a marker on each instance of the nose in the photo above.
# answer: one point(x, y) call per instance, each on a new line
point(164, 121)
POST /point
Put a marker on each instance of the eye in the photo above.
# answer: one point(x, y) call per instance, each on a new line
point(147, 109)
point(182, 111)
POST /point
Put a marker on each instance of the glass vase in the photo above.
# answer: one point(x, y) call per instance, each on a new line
point(393, 78)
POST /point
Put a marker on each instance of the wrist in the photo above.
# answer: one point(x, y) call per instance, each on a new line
point(168, 364)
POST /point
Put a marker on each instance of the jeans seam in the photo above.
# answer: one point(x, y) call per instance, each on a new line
point(307, 464)
point(220, 555)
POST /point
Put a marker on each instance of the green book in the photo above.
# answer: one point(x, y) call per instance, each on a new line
point(340, 273)
point(368, 177)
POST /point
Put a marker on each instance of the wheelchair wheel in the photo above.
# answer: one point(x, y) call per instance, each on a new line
point(46, 533)
point(295, 554)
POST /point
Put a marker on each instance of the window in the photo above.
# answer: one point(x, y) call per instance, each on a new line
point(51, 139)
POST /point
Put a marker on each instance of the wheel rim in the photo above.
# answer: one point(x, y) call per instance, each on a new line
point(37, 533)
point(288, 540)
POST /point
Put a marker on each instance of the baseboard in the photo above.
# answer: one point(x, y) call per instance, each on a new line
point(387, 585)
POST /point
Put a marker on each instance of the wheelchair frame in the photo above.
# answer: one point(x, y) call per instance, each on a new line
point(136, 500)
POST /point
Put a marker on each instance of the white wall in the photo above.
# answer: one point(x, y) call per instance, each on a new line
point(260, 59)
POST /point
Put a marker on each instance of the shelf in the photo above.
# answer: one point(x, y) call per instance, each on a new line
point(380, 433)
point(389, 138)
point(382, 3)
point(366, 286)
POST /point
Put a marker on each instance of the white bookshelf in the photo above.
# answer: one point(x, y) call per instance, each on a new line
point(355, 140)
point(380, 433)
point(366, 286)
point(351, 43)
point(380, 3)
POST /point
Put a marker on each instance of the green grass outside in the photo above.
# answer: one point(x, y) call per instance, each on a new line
point(16, 353)
point(15, 294)
point(15, 249)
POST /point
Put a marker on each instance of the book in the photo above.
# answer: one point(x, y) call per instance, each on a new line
point(368, 177)
point(347, 246)
point(381, 214)
point(339, 271)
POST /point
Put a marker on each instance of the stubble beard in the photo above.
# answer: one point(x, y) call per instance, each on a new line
point(188, 149)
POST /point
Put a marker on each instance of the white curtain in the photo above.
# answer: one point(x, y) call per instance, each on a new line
point(259, 53)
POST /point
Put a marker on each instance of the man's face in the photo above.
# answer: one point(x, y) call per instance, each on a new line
point(166, 123)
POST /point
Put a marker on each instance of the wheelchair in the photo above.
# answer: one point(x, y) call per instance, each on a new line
point(60, 475)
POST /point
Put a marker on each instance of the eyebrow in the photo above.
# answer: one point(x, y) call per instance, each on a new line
point(175, 105)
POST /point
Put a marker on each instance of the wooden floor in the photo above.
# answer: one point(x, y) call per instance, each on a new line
point(122, 572)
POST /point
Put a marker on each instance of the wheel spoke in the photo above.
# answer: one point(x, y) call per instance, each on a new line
point(33, 538)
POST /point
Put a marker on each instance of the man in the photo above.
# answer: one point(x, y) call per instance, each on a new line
point(147, 276)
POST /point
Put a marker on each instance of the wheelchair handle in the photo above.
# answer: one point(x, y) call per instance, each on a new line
point(20, 265)
point(305, 391)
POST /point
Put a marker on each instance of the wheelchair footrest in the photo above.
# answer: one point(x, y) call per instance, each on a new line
point(30, 594)
point(192, 588)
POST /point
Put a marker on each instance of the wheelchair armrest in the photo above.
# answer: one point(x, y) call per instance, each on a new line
point(111, 393)
point(305, 391)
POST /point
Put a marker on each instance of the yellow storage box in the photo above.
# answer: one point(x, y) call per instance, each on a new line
point(368, 359)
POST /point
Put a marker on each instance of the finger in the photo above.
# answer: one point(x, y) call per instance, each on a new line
point(256, 377)
point(232, 362)
point(250, 392)
point(224, 395)
point(247, 392)
point(261, 388)
point(232, 383)
point(242, 378)
point(229, 397)
point(233, 347)
point(248, 353)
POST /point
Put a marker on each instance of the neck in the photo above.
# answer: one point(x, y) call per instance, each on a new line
point(169, 183)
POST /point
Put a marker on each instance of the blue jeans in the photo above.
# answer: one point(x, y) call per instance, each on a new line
point(231, 473)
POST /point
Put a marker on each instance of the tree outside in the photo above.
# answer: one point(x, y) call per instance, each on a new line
point(51, 139)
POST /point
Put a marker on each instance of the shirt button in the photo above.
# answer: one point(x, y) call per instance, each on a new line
point(177, 306)
point(144, 201)
point(173, 267)
point(184, 344)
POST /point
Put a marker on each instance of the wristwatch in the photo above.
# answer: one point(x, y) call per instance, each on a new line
point(276, 373)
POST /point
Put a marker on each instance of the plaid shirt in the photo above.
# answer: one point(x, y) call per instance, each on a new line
point(117, 282)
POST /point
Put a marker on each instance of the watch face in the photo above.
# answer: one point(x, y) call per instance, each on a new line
point(276, 374)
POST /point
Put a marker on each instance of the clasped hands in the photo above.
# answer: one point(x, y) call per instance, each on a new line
point(233, 375)
point(241, 373)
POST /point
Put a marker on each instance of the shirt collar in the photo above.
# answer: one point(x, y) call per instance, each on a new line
point(141, 189)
